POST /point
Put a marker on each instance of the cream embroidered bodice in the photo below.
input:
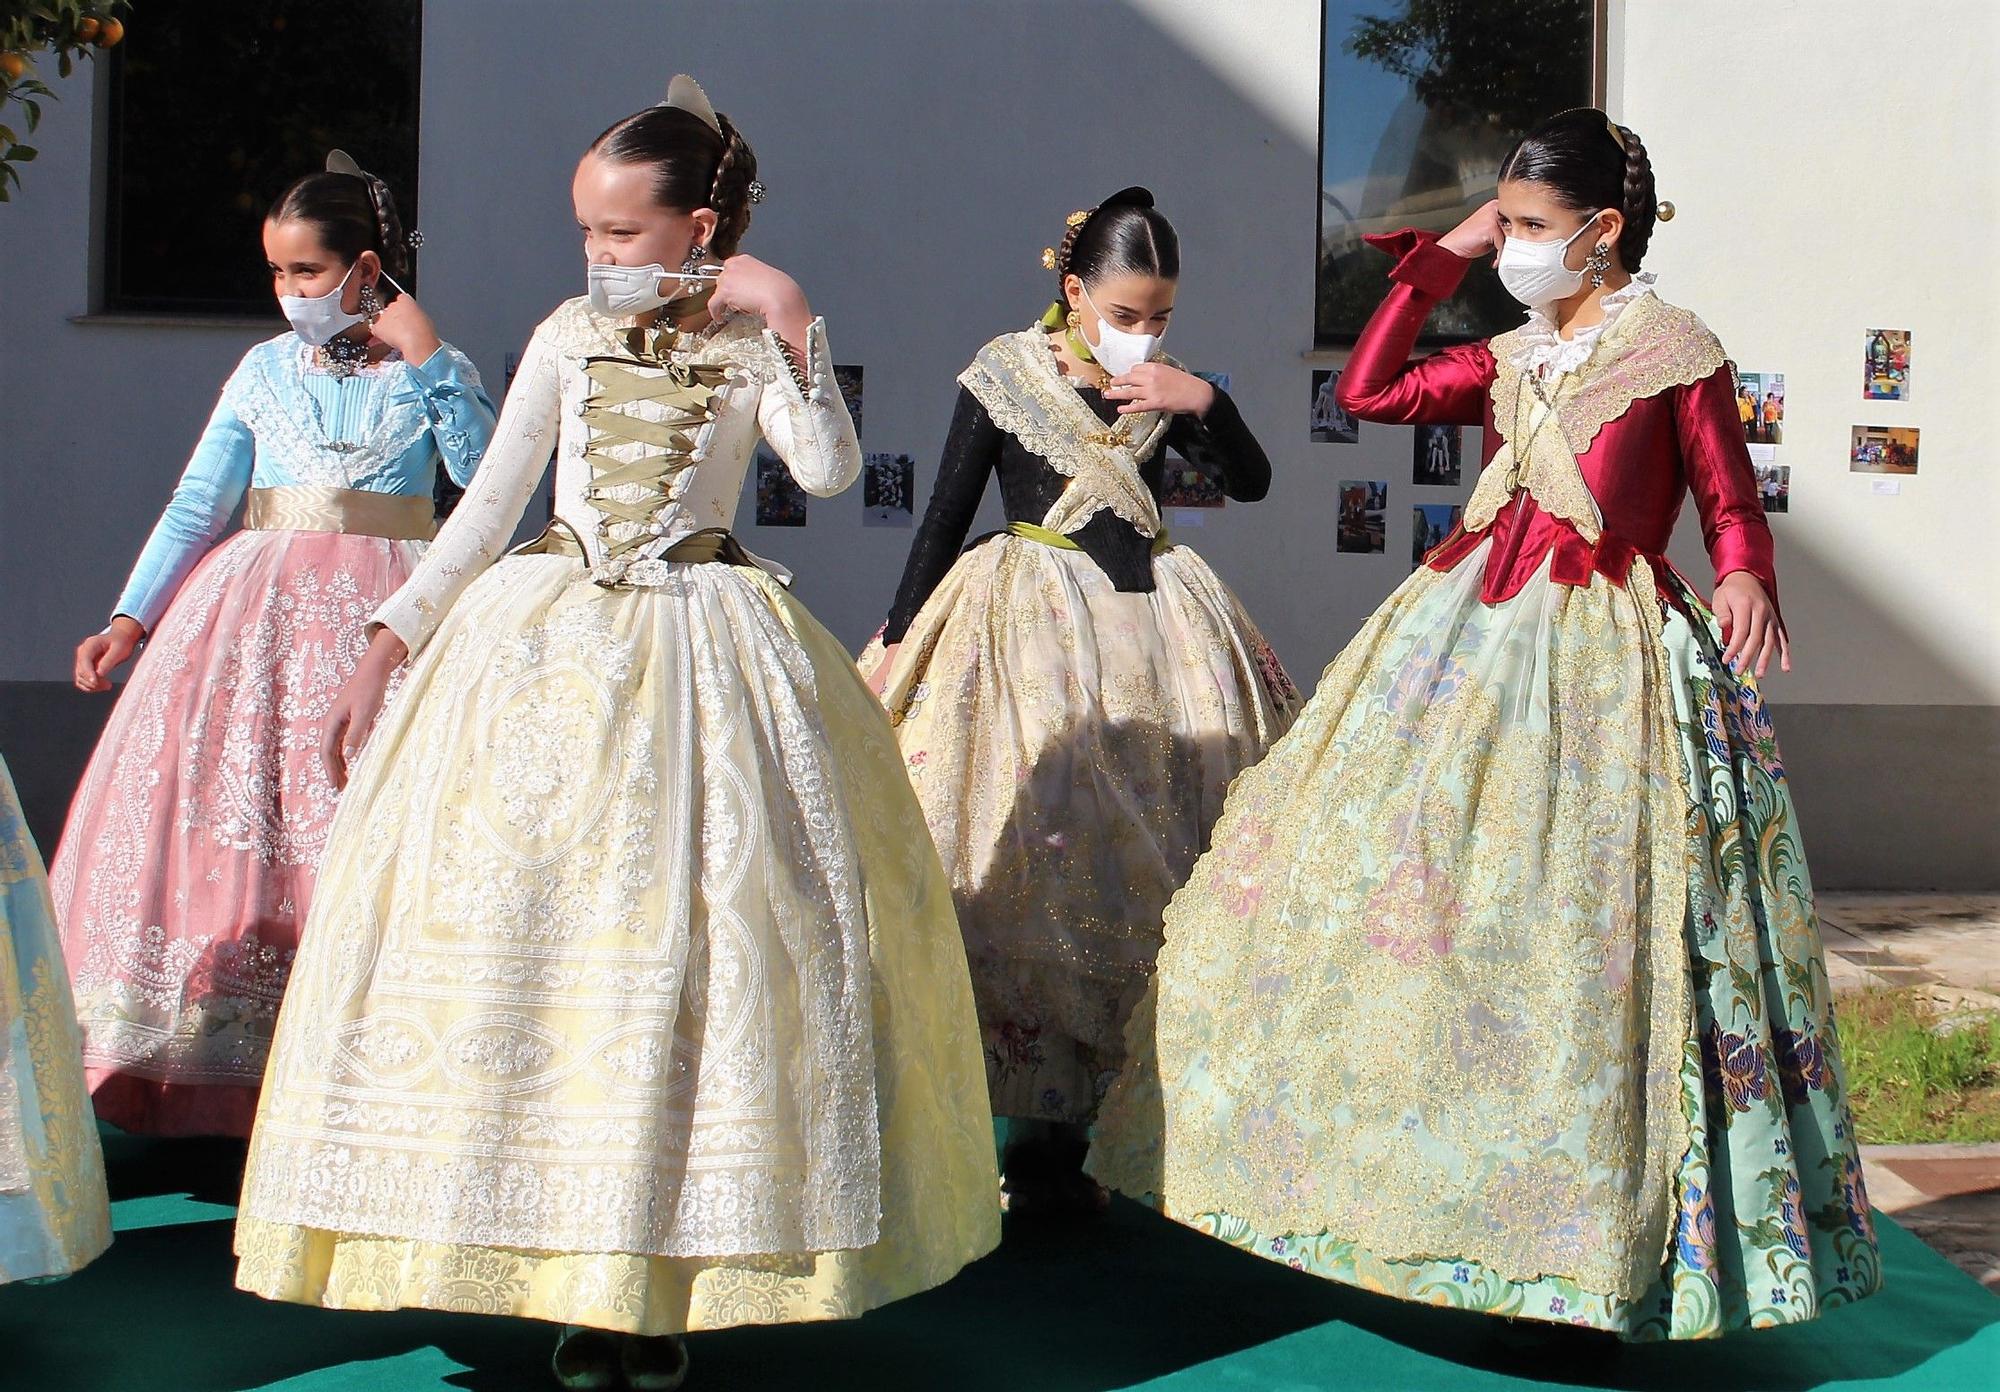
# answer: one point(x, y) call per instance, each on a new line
point(649, 448)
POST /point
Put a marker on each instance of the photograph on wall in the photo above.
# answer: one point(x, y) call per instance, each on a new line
point(1435, 461)
point(1774, 486)
point(849, 379)
point(1430, 524)
point(1886, 365)
point(1186, 485)
point(1760, 404)
point(780, 500)
point(888, 489)
point(1883, 449)
point(1330, 424)
point(1363, 528)
point(1419, 103)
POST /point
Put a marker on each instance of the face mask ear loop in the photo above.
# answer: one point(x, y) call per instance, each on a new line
point(1571, 238)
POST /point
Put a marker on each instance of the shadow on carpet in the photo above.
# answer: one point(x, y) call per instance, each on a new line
point(1131, 1301)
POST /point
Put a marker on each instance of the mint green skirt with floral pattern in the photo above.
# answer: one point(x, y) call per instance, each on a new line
point(1771, 1222)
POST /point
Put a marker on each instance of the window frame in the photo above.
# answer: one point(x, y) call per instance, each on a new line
point(108, 299)
point(1600, 19)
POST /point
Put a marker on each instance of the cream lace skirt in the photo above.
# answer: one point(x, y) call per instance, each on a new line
point(1071, 745)
point(632, 996)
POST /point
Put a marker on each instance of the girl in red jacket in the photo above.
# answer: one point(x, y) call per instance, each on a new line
point(1501, 987)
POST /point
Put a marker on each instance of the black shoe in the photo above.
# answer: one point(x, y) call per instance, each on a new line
point(1044, 1178)
point(585, 1360)
point(656, 1364)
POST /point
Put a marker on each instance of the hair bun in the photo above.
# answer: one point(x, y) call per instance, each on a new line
point(1136, 196)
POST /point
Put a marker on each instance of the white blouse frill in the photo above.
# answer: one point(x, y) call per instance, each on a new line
point(1542, 352)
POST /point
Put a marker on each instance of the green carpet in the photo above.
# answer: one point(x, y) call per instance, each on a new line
point(1132, 1302)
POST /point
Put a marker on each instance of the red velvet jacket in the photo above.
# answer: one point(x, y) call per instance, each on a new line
point(1638, 467)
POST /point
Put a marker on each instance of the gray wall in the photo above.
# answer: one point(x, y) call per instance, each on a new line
point(919, 156)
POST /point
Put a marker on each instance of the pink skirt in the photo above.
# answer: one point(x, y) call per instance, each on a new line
point(189, 856)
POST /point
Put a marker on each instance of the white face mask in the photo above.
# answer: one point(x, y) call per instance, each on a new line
point(622, 291)
point(1118, 350)
point(1534, 273)
point(319, 319)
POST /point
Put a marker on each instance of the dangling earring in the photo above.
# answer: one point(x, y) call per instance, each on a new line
point(691, 267)
point(371, 304)
point(1074, 320)
point(1598, 264)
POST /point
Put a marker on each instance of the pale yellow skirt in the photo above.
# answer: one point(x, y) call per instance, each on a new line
point(627, 916)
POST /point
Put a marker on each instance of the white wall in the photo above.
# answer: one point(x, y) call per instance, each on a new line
point(920, 155)
point(1833, 169)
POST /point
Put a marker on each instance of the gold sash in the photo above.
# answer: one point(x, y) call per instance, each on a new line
point(710, 544)
point(1028, 531)
point(354, 511)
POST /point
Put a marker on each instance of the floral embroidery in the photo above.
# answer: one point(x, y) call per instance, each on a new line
point(1802, 1064)
point(1736, 1068)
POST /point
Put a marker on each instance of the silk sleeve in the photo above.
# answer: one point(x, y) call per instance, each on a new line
point(1723, 481)
point(1380, 383)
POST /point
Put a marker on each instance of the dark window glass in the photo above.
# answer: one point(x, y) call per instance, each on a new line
point(1420, 100)
point(216, 106)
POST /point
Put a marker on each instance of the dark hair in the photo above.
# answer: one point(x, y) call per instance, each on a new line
point(693, 167)
point(352, 214)
point(1591, 164)
point(1123, 235)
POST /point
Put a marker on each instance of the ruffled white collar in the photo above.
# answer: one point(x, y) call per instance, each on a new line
point(1541, 352)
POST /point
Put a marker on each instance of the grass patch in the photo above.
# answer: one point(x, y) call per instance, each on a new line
point(1909, 1081)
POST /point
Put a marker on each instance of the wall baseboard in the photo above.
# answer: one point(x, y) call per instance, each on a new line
point(1890, 797)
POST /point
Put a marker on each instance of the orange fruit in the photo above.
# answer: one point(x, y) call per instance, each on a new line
point(87, 27)
point(109, 33)
point(13, 64)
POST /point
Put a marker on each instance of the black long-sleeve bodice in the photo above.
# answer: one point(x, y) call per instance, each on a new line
point(1218, 442)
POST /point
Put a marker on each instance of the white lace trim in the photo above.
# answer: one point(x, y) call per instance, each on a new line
point(296, 442)
point(1542, 352)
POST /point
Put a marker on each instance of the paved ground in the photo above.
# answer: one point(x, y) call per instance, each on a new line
point(1947, 946)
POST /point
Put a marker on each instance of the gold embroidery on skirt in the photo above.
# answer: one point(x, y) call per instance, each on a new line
point(1468, 852)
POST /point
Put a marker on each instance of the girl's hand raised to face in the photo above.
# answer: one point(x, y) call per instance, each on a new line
point(748, 286)
point(1478, 235)
point(1153, 386)
point(1751, 631)
point(404, 326)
